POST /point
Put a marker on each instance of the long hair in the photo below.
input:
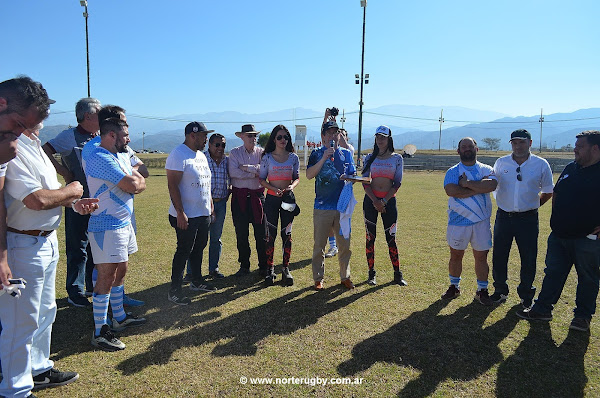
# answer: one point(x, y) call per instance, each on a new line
point(376, 152)
point(270, 147)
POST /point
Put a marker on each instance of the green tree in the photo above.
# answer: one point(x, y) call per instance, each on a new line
point(263, 138)
point(493, 144)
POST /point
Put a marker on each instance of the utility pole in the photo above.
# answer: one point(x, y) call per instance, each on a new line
point(343, 118)
point(440, 140)
point(541, 124)
point(87, 44)
point(363, 4)
point(143, 136)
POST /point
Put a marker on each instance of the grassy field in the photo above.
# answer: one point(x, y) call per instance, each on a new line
point(389, 341)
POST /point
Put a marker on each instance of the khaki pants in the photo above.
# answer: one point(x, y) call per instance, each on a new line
point(323, 221)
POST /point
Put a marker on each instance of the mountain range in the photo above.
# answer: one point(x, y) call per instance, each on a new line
point(418, 125)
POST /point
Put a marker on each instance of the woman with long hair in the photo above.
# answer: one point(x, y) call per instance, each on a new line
point(385, 168)
point(279, 174)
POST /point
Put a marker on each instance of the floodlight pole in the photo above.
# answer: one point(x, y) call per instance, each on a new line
point(87, 44)
point(363, 4)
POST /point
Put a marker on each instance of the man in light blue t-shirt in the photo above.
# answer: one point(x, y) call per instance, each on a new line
point(468, 185)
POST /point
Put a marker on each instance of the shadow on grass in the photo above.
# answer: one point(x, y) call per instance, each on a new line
point(441, 347)
point(538, 368)
point(244, 330)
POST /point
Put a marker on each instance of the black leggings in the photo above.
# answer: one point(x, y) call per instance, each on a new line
point(273, 212)
point(389, 224)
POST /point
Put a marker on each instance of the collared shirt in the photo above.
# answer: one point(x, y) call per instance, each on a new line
point(240, 178)
point(575, 211)
point(29, 172)
point(328, 185)
point(514, 195)
point(219, 177)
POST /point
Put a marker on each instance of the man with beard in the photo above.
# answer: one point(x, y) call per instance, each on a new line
point(468, 185)
point(574, 240)
point(112, 180)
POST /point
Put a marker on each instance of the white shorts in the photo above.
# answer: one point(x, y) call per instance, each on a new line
point(479, 235)
point(113, 246)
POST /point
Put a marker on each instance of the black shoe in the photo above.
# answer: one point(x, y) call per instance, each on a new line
point(216, 274)
point(483, 297)
point(286, 277)
point(398, 278)
point(527, 303)
point(580, 324)
point(452, 293)
point(53, 378)
point(270, 277)
point(242, 272)
point(106, 340)
point(178, 298)
point(79, 301)
point(532, 315)
point(372, 280)
point(498, 297)
point(202, 286)
point(186, 279)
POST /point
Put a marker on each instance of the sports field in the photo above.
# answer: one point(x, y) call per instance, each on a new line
point(376, 341)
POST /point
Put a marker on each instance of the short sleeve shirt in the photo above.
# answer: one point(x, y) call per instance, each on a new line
point(328, 185)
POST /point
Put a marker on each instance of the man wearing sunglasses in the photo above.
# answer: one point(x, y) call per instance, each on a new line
point(524, 184)
point(247, 199)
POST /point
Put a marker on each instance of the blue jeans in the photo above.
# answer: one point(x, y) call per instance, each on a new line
point(524, 228)
point(27, 321)
point(190, 245)
point(80, 263)
point(560, 257)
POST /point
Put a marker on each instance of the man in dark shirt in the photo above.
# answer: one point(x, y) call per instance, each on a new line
point(574, 239)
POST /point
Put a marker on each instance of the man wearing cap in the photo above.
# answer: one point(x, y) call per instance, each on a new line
point(574, 240)
point(326, 165)
point(468, 185)
point(69, 144)
point(188, 179)
point(247, 199)
point(524, 184)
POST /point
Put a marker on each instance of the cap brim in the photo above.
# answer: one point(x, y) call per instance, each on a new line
point(519, 138)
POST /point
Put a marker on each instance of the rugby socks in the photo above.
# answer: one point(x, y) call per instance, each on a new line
point(332, 242)
point(455, 280)
point(100, 303)
point(116, 302)
point(481, 285)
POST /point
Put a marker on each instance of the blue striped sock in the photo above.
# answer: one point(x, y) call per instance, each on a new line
point(455, 280)
point(100, 302)
point(116, 302)
point(332, 241)
point(481, 285)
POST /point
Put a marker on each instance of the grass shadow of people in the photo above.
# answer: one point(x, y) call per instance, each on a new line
point(454, 346)
point(545, 369)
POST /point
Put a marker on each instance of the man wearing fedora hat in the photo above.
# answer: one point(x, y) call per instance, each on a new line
point(524, 184)
point(247, 199)
point(188, 179)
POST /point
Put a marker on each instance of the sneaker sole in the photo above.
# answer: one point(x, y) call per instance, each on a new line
point(106, 347)
point(74, 304)
point(41, 386)
point(577, 328)
point(372, 282)
point(120, 328)
point(202, 289)
point(545, 318)
point(450, 298)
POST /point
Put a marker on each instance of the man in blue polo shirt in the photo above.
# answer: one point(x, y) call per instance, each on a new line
point(574, 240)
point(326, 165)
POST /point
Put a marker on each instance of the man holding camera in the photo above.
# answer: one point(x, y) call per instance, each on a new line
point(327, 165)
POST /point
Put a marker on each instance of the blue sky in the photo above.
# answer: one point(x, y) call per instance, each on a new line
point(165, 58)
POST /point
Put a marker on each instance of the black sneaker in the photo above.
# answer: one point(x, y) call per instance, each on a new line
point(532, 315)
point(270, 277)
point(498, 297)
point(242, 272)
point(216, 274)
point(452, 293)
point(53, 378)
point(286, 277)
point(129, 321)
point(372, 279)
point(527, 303)
point(398, 279)
point(186, 279)
point(483, 297)
point(580, 324)
point(178, 298)
point(201, 286)
point(107, 341)
point(79, 301)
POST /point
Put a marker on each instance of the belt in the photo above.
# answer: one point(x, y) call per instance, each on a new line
point(518, 213)
point(33, 232)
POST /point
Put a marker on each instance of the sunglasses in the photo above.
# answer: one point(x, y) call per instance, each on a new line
point(519, 176)
point(251, 135)
point(282, 137)
point(219, 144)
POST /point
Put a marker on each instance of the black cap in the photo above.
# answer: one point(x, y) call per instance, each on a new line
point(197, 127)
point(520, 134)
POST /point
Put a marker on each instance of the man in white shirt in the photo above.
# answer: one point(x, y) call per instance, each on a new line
point(189, 182)
point(34, 201)
point(524, 184)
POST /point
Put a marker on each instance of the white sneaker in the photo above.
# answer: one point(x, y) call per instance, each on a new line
point(332, 252)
